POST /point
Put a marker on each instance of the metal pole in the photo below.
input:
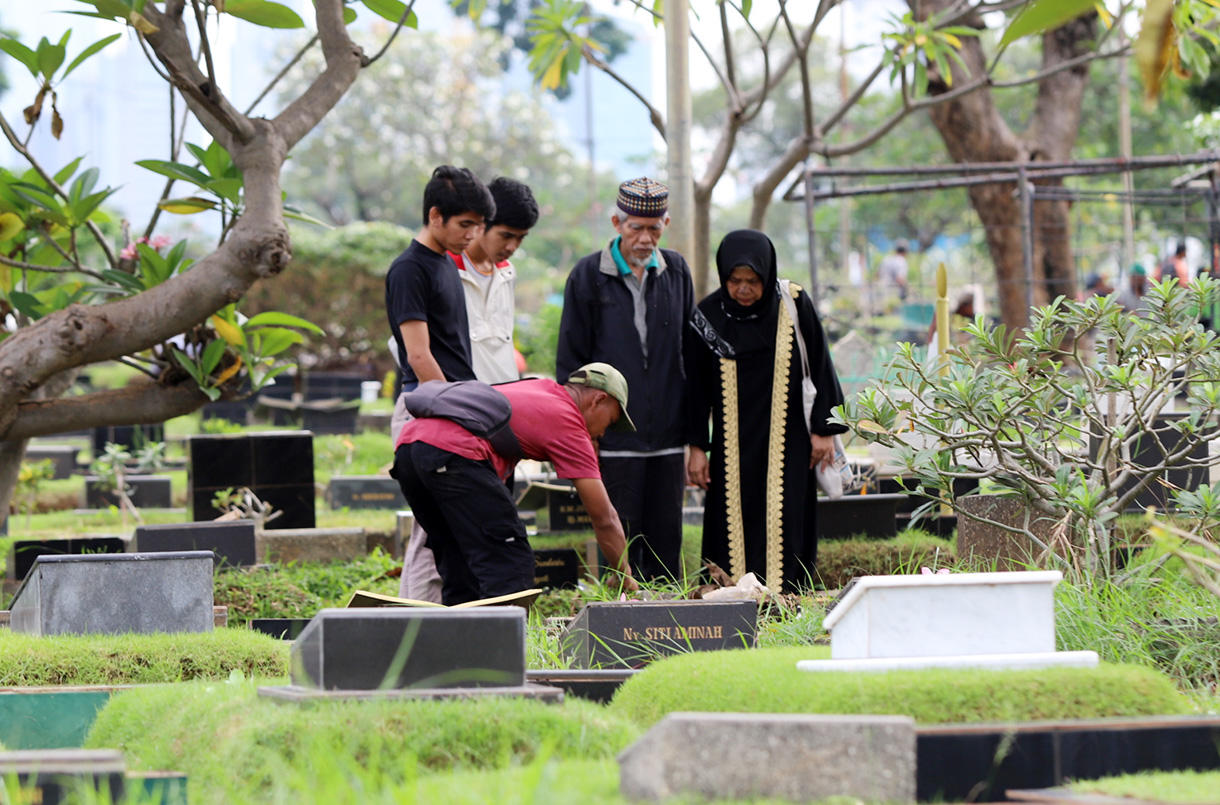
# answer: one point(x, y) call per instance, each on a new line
point(813, 240)
point(1124, 147)
point(1026, 191)
point(678, 128)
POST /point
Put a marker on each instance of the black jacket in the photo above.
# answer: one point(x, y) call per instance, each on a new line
point(598, 324)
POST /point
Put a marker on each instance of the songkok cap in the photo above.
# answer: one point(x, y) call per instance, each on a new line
point(643, 197)
point(604, 377)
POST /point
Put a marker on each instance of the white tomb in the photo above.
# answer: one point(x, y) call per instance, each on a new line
point(999, 620)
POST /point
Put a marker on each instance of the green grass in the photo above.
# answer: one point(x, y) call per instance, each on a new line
point(1159, 786)
point(767, 681)
point(300, 590)
point(238, 748)
point(27, 660)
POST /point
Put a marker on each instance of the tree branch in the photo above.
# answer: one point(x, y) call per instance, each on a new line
point(658, 122)
point(73, 269)
point(393, 35)
point(134, 404)
point(343, 62)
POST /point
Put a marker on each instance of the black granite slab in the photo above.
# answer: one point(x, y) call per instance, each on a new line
point(557, 569)
point(232, 542)
point(567, 513)
point(406, 647)
point(332, 385)
point(147, 492)
point(1150, 450)
point(280, 628)
point(275, 466)
point(871, 516)
point(983, 761)
point(295, 694)
point(365, 492)
point(611, 634)
point(593, 685)
point(129, 437)
point(26, 551)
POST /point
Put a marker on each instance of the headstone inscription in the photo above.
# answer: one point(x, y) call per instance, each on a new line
point(567, 513)
point(630, 634)
point(25, 551)
point(407, 647)
point(146, 492)
point(275, 466)
point(54, 776)
point(116, 593)
point(1004, 620)
point(364, 492)
point(233, 542)
point(556, 569)
point(797, 758)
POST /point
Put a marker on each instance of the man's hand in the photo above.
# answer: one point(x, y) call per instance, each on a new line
point(606, 527)
point(698, 472)
point(822, 451)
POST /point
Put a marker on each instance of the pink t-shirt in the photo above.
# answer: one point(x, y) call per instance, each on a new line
point(547, 423)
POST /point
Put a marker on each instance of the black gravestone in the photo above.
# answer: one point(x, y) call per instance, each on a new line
point(54, 776)
point(275, 466)
point(556, 569)
point(873, 516)
point(25, 551)
point(405, 647)
point(280, 628)
point(235, 411)
point(147, 492)
point(61, 456)
point(333, 385)
point(365, 492)
point(129, 437)
point(632, 634)
point(567, 512)
point(1148, 451)
point(233, 542)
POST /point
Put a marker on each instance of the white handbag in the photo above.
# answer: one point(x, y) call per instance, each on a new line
point(838, 477)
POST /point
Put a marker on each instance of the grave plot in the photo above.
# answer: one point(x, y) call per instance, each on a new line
point(276, 466)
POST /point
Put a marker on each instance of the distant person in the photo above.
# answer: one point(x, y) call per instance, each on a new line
point(1096, 285)
point(489, 280)
point(892, 273)
point(746, 371)
point(1175, 266)
point(1131, 297)
point(426, 308)
point(455, 481)
point(627, 305)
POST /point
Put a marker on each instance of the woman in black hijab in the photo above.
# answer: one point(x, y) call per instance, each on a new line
point(759, 510)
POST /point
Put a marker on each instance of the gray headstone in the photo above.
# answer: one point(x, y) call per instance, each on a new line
point(610, 634)
point(61, 456)
point(233, 542)
point(53, 776)
point(115, 594)
point(802, 758)
point(365, 492)
point(407, 647)
point(147, 492)
point(989, 543)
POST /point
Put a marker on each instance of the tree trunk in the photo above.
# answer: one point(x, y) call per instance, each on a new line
point(974, 131)
point(701, 267)
point(11, 456)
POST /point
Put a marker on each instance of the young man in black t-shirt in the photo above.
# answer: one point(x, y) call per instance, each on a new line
point(426, 308)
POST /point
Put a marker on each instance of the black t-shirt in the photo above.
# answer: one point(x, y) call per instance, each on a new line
point(423, 285)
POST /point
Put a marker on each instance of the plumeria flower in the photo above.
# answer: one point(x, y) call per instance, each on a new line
point(129, 252)
point(927, 571)
point(160, 242)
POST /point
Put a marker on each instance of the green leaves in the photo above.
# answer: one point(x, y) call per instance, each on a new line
point(263, 13)
point(219, 178)
point(919, 45)
point(391, 10)
point(1043, 15)
point(558, 48)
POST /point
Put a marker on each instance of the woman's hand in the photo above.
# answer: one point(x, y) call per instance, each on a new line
point(697, 470)
point(822, 450)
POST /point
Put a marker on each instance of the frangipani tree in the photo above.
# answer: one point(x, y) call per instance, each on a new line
point(1053, 425)
point(74, 292)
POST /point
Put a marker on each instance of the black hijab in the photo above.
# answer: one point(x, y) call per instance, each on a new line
point(730, 329)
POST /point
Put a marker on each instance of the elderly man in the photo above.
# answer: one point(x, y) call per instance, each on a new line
point(627, 305)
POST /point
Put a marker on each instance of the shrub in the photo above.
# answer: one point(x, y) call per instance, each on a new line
point(27, 660)
point(767, 681)
point(236, 747)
